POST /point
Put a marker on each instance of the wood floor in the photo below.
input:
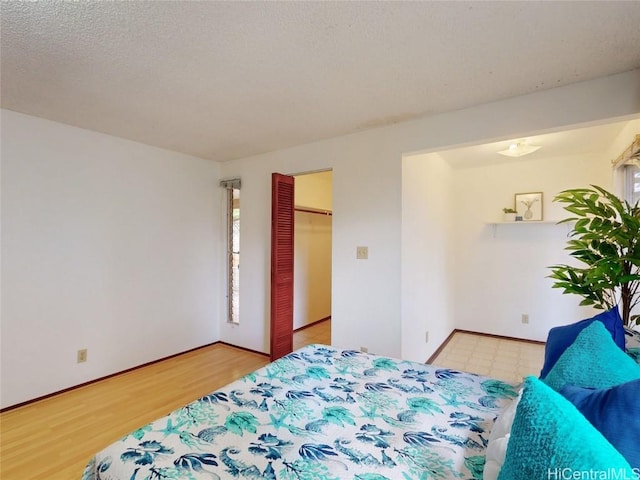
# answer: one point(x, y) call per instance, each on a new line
point(54, 438)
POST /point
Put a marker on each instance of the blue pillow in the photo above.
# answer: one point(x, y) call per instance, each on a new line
point(551, 439)
point(593, 360)
point(615, 412)
point(560, 338)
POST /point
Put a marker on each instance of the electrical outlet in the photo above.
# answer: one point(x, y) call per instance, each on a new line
point(426, 336)
point(364, 349)
point(82, 355)
point(525, 318)
point(362, 253)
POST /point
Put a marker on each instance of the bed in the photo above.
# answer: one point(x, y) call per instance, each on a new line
point(320, 413)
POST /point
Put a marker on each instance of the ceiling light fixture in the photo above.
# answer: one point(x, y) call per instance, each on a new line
point(519, 149)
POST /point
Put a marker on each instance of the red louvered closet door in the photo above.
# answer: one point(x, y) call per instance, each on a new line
point(282, 222)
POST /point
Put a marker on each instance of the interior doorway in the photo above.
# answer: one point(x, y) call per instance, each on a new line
point(312, 258)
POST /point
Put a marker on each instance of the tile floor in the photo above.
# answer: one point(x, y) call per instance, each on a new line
point(508, 360)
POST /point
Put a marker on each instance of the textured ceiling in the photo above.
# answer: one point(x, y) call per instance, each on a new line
point(223, 80)
point(581, 141)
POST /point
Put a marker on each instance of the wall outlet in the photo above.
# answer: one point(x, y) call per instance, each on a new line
point(426, 336)
point(525, 318)
point(362, 253)
point(82, 355)
point(364, 349)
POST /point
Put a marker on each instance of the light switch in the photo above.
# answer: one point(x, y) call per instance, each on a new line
point(362, 253)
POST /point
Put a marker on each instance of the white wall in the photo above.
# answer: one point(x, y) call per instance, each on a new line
point(624, 139)
point(312, 268)
point(108, 245)
point(314, 190)
point(501, 273)
point(619, 145)
point(367, 193)
point(363, 190)
point(427, 254)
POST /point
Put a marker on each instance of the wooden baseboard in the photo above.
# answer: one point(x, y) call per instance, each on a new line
point(502, 337)
point(242, 348)
point(441, 347)
point(315, 322)
point(84, 384)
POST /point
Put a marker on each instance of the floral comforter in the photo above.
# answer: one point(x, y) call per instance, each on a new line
point(320, 414)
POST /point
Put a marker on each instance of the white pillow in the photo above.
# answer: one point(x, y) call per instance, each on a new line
point(632, 336)
point(499, 440)
point(632, 343)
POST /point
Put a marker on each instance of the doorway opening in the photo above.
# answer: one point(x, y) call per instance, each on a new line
point(312, 259)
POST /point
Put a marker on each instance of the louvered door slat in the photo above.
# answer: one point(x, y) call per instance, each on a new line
point(282, 222)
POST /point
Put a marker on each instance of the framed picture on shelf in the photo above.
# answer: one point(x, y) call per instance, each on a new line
point(529, 206)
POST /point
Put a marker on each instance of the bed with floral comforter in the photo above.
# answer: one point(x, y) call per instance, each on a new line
point(320, 413)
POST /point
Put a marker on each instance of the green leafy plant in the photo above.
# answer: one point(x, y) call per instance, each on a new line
point(509, 210)
point(606, 240)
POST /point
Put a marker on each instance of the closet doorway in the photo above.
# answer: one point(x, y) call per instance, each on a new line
point(312, 259)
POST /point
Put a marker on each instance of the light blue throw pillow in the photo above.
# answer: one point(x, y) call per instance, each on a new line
point(560, 338)
point(593, 360)
point(551, 439)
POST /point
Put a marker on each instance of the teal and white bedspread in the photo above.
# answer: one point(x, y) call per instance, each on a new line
point(320, 414)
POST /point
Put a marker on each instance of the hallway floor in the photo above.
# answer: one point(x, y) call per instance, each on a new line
point(500, 358)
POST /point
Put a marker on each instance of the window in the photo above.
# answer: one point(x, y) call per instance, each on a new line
point(627, 167)
point(632, 183)
point(233, 249)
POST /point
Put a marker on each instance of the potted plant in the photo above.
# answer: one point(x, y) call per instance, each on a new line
point(509, 214)
point(606, 240)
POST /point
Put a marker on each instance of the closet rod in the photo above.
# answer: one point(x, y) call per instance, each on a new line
point(310, 210)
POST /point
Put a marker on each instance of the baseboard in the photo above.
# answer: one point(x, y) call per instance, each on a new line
point(502, 337)
point(441, 347)
point(315, 322)
point(242, 348)
point(491, 335)
point(96, 380)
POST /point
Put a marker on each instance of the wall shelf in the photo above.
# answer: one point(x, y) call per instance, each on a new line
point(495, 225)
point(529, 222)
